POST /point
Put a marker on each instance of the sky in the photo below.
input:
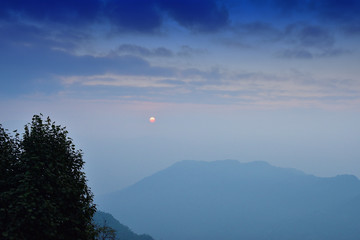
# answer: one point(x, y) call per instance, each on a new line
point(251, 80)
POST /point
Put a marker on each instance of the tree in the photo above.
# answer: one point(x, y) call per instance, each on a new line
point(105, 232)
point(43, 186)
point(9, 156)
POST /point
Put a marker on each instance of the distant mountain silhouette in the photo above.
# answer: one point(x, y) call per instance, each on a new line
point(122, 232)
point(229, 200)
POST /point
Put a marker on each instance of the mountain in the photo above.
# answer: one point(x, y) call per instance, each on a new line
point(194, 200)
point(122, 231)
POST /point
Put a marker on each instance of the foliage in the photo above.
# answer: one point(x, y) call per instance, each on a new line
point(108, 222)
point(9, 159)
point(43, 194)
point(105, 232)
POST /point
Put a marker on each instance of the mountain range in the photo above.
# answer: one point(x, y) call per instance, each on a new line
point(230, 200)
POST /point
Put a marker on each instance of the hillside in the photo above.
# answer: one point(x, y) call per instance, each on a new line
point(122, 231)
point(232, 200)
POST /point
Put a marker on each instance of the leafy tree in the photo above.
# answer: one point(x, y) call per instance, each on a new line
point(9, 156)
point(43, 194)
point(105, 232)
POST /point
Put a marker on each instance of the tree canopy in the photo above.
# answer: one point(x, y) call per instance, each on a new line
point(44, 192)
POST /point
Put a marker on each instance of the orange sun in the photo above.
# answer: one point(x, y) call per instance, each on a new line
point(152, 119)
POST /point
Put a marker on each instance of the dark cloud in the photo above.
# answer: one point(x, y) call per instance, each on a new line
point(187, 51)
point(352, 29)
point(341, 14)
point(337, 10)
point(64, 11)
point(18, 34)
point(263, 30)
point(41, 67)
point(306, 35)
point(300, 35)
point(162, 52)
point(173, 82)
point(258, 27)
point(147, 15)
point(133, 49)
point(334, 10)
point(295, 54)
point(314, 36)
point(282, 7)
point(333, 52)
point(307, 54)
point(126, 15)
point(290, 5)
point(235, 43)
point(134, 15)
point(198, 15)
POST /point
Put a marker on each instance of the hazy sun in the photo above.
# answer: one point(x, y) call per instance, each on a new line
point(152, 119)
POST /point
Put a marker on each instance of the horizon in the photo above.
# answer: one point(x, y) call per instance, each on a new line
point(224, 160)
point(267, 80)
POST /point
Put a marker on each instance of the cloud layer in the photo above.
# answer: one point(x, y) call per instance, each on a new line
point(209, 51)
point(125, 15)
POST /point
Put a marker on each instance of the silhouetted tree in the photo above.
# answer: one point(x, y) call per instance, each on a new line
point(9, 157)
point(43, 194)
point(105, 232)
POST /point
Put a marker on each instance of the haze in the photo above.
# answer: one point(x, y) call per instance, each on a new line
point(276, 81)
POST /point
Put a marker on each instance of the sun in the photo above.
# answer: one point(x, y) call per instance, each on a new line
point(152, 119)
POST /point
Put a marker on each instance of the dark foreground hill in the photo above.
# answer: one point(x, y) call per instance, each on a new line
point(122, 231)
point(229, 200)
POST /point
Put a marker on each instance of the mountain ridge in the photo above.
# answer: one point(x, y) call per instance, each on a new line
point(122, 232)
point(210, 199)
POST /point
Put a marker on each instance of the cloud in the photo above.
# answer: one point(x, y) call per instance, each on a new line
point(346, 11)
point(134, 15)
point(333, 52)
point(295, 53)
point(147, 15)
point(30, 68)
point(113, 80)
point(334, 10)
point(307, 54)
point(306, 35)
point(352, 29)
point(304, 40)
point(137, 50)
point(254, 32)
point(292, 89)
point(63, 12)
point(266, 30)
point(309, 41)
point(142, 16)
point(190, 78)
point(330, 15)
point(20, 34)
point(44, 41)
point(249, 35)
point(196, 86)
point(173, 82)
point(187, 51)
point(197, 15)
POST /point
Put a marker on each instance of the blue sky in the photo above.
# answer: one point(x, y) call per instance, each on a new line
point(272, 80)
